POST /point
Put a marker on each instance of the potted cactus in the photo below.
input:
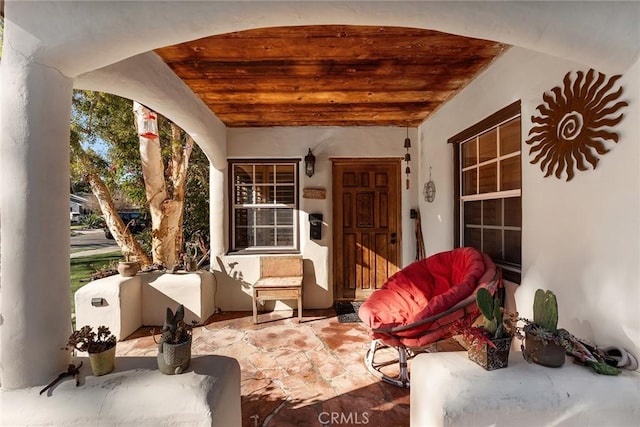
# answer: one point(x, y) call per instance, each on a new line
point(174, 346)
point(489, 343)
point(542, 343)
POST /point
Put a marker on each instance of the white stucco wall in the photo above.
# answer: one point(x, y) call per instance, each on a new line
point(240, 271)
point(580, 238)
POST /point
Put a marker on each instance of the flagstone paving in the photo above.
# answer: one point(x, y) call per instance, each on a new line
point(295, 374)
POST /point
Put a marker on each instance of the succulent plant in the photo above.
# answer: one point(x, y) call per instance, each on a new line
point(490, 309)
point(175, 330)
point(545, 310)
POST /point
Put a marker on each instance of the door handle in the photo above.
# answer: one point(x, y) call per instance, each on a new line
point(393, 238)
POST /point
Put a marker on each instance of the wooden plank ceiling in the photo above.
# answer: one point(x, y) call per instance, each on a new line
point(330, 75)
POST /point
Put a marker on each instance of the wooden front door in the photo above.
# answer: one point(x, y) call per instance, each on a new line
point(366, 230)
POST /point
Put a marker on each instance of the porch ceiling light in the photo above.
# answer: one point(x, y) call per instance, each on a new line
point(309, 164)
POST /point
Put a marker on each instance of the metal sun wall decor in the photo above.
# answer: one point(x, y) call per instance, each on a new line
point(573, 123)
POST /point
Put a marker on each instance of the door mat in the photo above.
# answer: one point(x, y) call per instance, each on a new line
point(347, 311)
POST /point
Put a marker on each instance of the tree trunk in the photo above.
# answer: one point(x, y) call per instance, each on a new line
point(128, 244)
point(166, 212)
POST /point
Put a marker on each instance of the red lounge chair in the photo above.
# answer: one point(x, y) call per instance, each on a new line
point(417, 306)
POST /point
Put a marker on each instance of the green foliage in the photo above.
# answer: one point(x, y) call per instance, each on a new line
point(491, 308)
point(545, 310)
point(92, 221)
point(103, 125)
point(196, 205)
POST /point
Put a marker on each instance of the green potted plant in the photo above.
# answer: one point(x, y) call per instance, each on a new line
point(542, 342)
point(174, 346)
point(489, 343)
point(100, 345)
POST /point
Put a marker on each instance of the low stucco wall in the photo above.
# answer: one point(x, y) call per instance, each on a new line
point(447, 389)
point(135, 393)
point(126, 303)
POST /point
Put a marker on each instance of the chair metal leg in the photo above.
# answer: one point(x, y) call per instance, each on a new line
point(402, 380)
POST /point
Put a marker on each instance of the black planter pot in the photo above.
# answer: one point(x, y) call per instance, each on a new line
point(491, 358)
point(551, 355)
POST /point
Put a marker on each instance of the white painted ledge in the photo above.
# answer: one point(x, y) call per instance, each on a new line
point(447, 389)
point(134, 394)
point(130, 302)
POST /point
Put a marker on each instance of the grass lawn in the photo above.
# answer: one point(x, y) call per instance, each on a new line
point(82, 268)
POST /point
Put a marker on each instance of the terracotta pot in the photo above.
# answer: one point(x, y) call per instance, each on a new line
point(551, 355)
point(128, 268)
point(104, 362)
point(174, 358)
point(491, 358)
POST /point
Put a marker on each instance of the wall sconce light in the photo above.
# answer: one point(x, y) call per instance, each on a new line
point(407, 156)
point(309, 164)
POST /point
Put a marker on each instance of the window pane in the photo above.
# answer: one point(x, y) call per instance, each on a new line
point(242, 217)
point(513, 253)
point(285, 236)
point(285, 194)
point(265, 237)
point(243, 174)
point(469, 182)
point(242, 237)
point(513, 212)
point(489, 178)
point(265, 217)
point(265, 194)
point(510, 137)
point(492, 212)
point(472, 213)
point(244, 195)
point(469, 153)
point(285, 174)
point(264, 173)
point(512, 246)
point(284, 216)
point(510, 174)
point(492, 243)
point(473, 237)
point(488, 145)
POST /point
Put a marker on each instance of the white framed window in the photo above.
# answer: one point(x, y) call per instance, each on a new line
point(489, 189)
point(264, 205)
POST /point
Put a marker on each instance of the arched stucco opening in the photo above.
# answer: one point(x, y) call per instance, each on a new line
point(47, 53)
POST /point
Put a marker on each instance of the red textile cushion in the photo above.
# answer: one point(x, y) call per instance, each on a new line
point(426, 288)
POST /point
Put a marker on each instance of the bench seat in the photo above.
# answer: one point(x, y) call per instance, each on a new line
point(280, 279)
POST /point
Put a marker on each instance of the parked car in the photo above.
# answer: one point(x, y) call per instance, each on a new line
point(134, 220)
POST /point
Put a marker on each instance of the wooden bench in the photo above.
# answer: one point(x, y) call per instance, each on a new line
point(280, 279)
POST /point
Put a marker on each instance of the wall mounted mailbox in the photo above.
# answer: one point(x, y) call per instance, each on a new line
point(315, 230)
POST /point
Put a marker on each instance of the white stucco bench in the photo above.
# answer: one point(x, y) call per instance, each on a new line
point(134, 394)
point(447, 389)
point(126, 303)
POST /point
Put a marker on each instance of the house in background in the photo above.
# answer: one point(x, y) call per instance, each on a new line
point(77, 207)
point(579, 238)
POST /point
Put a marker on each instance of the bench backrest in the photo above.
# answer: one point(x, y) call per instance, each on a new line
point(279, 266)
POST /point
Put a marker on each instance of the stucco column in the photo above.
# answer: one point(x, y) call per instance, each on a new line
point(217, 211)
point(35, 307)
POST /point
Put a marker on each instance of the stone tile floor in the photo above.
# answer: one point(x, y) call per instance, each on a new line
point(296, 374)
